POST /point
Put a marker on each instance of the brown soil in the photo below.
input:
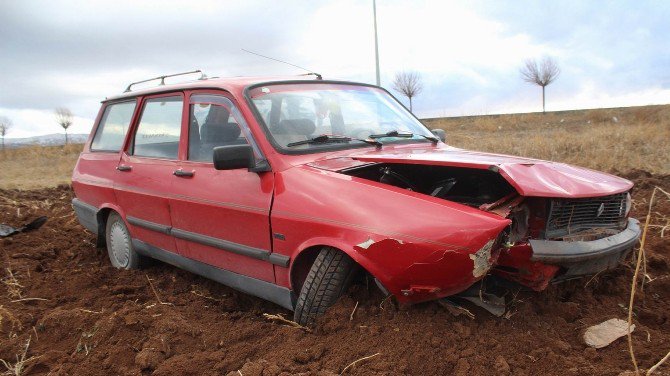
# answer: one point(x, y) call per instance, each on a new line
point(98, 320)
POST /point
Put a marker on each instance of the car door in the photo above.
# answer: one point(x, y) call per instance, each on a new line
point(146, 168)
point(94, 175)
point(221, 218)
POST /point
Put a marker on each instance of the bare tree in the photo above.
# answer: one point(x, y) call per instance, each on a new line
point(64, 119)
point(541, 74)
point(5, 124)
point(408, 84)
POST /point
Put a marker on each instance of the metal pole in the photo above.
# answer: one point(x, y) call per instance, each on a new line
point(374, 12)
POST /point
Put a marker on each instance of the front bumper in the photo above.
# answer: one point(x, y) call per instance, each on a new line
point(587, 257)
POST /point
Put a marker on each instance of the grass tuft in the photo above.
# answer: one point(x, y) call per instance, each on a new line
point(21, 365)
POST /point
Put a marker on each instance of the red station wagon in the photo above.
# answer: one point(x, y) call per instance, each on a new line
point(286, 188)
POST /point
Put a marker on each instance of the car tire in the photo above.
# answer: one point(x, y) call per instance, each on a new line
point(119, 245)
point(328, 278)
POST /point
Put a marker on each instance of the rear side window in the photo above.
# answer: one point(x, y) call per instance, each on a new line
point(113, 127)
point(158, 133)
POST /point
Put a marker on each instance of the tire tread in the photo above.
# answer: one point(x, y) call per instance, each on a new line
point(326, 281)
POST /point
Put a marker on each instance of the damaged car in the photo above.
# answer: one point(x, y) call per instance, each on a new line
point(289, 188)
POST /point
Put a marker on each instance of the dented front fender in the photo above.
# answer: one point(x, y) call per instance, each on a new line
point(416, 272)
point(418, 247)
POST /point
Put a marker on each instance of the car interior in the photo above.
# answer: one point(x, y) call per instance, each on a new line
point(219, 128)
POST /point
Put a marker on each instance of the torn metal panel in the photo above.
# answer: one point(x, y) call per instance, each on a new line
point(515, 264)
point(481, 260)
point(495, 305)
point(504, 206)
point(492, 303)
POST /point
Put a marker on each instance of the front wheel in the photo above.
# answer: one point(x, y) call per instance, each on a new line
point(119, 244)
point(327, 280)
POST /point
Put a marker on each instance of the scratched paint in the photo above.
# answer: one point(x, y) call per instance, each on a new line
point(366, 244)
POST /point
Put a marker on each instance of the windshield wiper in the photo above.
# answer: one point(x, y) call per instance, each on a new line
point(329, 138)
point(432, 139)
point(391, 134)
point(395, 133)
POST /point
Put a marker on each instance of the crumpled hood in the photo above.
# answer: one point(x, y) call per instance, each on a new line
point(530, 177)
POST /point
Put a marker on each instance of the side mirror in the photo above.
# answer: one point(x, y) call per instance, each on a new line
point(440, 133)
point(233, 157)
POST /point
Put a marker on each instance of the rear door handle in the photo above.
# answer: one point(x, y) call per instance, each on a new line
point(124, 168)
point(182, 173)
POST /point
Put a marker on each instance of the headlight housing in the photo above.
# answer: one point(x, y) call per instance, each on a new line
point(629, 204)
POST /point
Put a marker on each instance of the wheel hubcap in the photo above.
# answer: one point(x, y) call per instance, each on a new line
point(119, 243)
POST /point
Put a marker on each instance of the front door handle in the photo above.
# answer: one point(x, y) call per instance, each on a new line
point(124, 168)
point(184, 174)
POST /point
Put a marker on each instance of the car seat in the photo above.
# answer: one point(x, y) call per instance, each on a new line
point(217, 131)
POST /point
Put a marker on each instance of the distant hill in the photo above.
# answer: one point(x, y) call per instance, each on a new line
point(46, 140)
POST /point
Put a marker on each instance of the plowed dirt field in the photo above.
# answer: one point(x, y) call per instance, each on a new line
point(84, 317)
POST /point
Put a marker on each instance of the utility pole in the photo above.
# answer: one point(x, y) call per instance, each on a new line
point(374, 12)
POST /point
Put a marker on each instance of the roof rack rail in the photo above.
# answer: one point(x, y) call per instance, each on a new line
point(318, 76)
point(162, 78)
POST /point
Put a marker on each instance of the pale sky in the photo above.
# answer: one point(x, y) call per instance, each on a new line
point(76, 53)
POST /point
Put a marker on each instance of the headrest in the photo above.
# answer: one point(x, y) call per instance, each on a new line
point(300, 127)
point(217, 133)
point(217, 114)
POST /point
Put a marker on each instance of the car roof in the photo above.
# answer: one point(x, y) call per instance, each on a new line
point(227, 83)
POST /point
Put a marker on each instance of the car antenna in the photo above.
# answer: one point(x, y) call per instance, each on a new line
point(310, 73)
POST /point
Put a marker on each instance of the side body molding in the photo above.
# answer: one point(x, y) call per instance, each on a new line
point(265, 290)
point(240, 249)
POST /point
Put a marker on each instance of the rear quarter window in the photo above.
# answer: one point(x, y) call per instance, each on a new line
point(113, 127)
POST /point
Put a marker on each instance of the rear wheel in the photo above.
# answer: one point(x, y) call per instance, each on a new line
point(327, 280)
point(119, 245)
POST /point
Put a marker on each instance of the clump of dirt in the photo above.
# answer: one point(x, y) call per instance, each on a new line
point(83, 316)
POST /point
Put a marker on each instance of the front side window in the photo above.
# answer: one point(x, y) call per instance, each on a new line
point(113, 127)
point(158, 132)
point(215, 121)
point(298, 112)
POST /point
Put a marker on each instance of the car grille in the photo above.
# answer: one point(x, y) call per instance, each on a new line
point(570, 216)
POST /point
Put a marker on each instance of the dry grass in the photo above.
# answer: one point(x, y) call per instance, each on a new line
point(14, 288)
point(11, 321)
point(280, 318)
point(641, 261)
point(37, 166)
point(612, 140)
point(21, 365)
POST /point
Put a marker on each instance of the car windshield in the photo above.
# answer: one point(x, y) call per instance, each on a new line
point(295, 115)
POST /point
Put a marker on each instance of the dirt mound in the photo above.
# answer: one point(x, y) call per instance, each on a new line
point(84, 317)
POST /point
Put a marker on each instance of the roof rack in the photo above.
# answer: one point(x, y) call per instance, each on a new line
point(162, 78)
point(318, 76)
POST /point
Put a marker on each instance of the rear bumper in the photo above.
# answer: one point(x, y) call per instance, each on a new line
point(587, 257)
